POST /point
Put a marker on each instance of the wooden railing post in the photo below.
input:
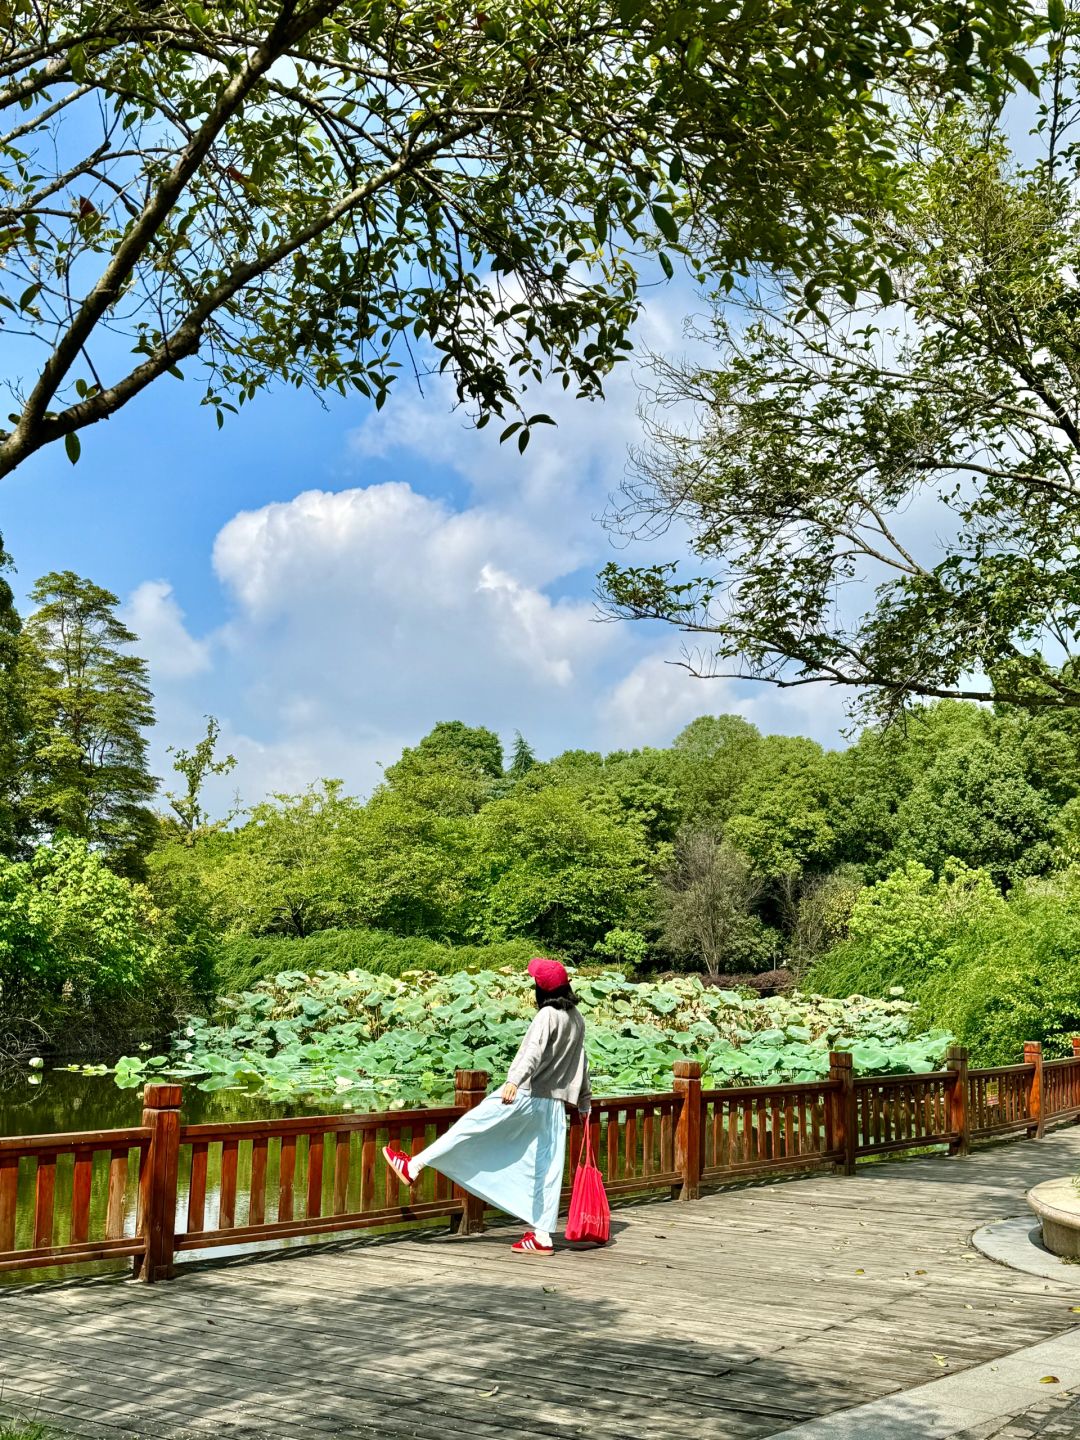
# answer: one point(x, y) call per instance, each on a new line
point(470, 1087)
point(158, 1181)
point(1033, 1056)
point(841, 1120)
point(688, 1151)
point(956, 1060)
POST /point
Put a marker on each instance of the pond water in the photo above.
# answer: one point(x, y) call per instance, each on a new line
point(61, 1101)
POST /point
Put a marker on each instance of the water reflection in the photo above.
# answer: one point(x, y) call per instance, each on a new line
point(63, 1101)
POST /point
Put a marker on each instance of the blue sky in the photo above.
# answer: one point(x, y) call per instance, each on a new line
point(330, 583)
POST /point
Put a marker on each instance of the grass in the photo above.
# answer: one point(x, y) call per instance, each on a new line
point(25, 1430)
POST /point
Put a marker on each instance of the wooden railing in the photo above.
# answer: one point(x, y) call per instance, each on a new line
point(99, 1173)
point(164, 1188)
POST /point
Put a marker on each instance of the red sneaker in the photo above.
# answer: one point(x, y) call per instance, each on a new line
point(399, 1163)
point(529, 1245)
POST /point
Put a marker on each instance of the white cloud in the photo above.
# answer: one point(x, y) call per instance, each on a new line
point(359, 617)
point(656, 699)
point(164, 641)
point(362, 617)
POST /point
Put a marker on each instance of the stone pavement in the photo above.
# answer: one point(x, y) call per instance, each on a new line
point(1056, 1418)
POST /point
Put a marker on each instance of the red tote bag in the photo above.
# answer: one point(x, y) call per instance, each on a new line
point(590, 1214)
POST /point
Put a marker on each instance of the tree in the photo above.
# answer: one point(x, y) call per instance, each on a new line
point(281, 188)
point(901, 930)
point(407, 866)
point(821, 916)
point(190, 816)
point(716, 753)
point(544, 865)
point(523, 758)
point(12, 718)
point(88, 704)
point(706, 905)
point(818, 431)
point(974, 805)
point(781, 821)
point(74, 936)
point(452, 771)
point(285, 871)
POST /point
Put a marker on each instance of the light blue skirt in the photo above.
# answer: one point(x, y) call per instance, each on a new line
point(512, 1156)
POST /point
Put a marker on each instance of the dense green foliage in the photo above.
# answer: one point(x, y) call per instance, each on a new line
point(80, 952)
point(282, 191)
point(996, 971)
point(798, 455)
point(375, 1038)
point(240, 961)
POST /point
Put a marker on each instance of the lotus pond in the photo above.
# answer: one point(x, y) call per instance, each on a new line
point(364, 1041)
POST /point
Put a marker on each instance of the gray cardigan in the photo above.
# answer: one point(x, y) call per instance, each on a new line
point(551, 1062)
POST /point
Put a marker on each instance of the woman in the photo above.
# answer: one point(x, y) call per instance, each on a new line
point(510, 1150)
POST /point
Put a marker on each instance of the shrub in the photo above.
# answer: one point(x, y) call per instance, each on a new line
point(994, 972)
point(79, 948)
point(1013, 976)
point(241, 962)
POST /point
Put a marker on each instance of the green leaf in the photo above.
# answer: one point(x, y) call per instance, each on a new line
point(1056, 14)
point(1020, 70)
point(665, 263)
point(73, 446)
point(28, 296)
point(665, 223)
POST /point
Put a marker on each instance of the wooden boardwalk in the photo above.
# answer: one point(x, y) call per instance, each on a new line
point(740, 1315)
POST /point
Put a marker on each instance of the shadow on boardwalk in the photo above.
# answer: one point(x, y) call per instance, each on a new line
point(740, 1315)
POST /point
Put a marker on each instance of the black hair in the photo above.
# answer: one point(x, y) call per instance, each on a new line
point(561, 999)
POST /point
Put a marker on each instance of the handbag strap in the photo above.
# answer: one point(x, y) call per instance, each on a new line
point(585, 1158)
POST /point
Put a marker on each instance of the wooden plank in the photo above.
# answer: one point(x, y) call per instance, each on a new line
point(286, 1176)
point(746, 1108)
point(762, 1129)
point(631, 1146)
point(257, 1200)
point(315, 1175)
point(197, 1186)
point(47, 1256)
point(44, 1198)
point(342, 1153)
point(318, 1225)
point(648, 1157)
point(667, 1139)
point(791, 1141)
point(69, 1142)
point(367, 1170)
point(81, 1184)
point(9, 1197)
point(304, 1124)
point(116, 1198)
point(230, 1158)
point(613, 1124)
point(392, 1187)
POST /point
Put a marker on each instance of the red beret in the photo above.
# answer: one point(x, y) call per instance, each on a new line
point(548, 974)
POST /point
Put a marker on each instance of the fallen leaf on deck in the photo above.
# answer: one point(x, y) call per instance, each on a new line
point(550, 1290)
point(941, 1360)
point(860, 1272)
point(920, 1272)
point(1049, 1380)
point(487, 1394)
